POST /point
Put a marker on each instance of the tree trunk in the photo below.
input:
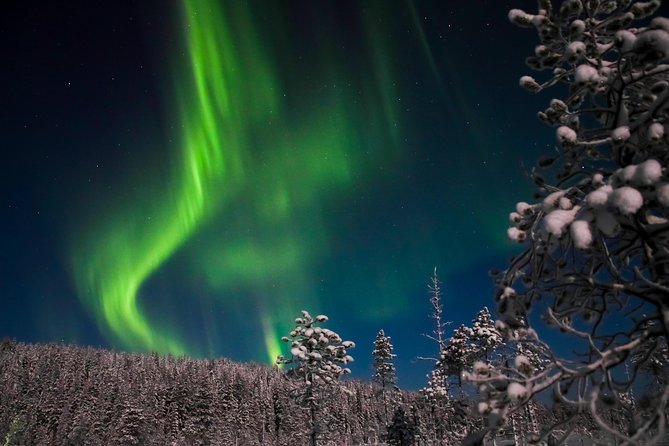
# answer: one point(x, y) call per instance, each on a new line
point(313, 434)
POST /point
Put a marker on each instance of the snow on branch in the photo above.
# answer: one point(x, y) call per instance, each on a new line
point(596, 260)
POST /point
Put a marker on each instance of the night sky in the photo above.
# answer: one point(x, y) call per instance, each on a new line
point(184, 176)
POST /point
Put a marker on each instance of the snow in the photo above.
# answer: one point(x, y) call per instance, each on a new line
point(663, 194)
point(552, 200)
point(575, 50)
point(626, 174)
point(566, 135)
point(654, 44)
point(565, 203)
point(523, 208)
point(620, 134)
point(586, 74)
point(660, 23)
point(599, 197)
point(556, 222)
point(508, 292)
point(529, 83)
point(627, 199)
point(517, 392)
point(625, 41)
point(520, 17)
point(558, 105)
point(656, 131)
point(521, 361)
point(577, 27)
point(647, 173)
point(516, 234)
point(581, 234)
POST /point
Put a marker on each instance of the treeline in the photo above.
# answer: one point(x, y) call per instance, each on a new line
point(67, 395)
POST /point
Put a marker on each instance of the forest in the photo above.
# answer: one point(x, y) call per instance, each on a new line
point(67, 395)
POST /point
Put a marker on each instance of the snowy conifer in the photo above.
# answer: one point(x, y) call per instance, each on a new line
point(456, 356)
point(596, 263)
point(384, 370)
point(458, 353)
point(484, 336)
point(437, 384)
point(315, 356)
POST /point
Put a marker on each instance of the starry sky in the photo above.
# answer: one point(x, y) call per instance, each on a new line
point(184, 176)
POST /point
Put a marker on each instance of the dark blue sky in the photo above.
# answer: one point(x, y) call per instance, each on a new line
point(416, 104)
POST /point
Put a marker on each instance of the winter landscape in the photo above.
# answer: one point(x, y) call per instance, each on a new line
point(244, 254)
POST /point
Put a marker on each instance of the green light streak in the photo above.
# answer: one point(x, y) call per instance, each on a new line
point(252, 176)
point(117, 257)
point(272, 339)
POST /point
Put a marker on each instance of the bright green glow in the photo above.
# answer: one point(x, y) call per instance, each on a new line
point(120, 255)
point(272, 339)
point(244, 168)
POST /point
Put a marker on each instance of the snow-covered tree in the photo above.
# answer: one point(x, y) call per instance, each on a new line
point(315, 357)
point(434, 290)
point(436, 392)
point(384, 370)
point(401, 431)
point(596, 263)
point(447, 406)
point(458, 353)
point(484, 336)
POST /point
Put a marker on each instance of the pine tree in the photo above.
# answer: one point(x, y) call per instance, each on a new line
point(315, 356)
point(596, 258)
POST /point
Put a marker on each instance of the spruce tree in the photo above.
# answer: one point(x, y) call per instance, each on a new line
point(485, 337)
point(458, 353)
point(384, 370)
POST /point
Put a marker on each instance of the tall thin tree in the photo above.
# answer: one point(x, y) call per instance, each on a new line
point(384, 371)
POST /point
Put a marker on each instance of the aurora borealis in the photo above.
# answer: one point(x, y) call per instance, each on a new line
point(231, 166)
point(185, 176)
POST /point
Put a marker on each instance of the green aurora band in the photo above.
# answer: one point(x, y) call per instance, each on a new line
point(248, 168)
